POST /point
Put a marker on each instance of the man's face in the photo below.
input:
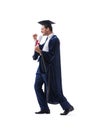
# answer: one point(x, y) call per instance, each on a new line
point(44, 30)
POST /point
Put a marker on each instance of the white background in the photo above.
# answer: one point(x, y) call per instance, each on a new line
point(18, 21)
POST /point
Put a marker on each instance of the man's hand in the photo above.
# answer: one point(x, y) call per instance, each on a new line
point(37, 49)
point(35, 37)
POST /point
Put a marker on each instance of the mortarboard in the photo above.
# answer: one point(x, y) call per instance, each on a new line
point(46, 22)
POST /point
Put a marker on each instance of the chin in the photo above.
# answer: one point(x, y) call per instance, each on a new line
point(44, 34)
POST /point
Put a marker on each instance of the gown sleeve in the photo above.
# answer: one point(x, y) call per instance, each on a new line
point(36, 54)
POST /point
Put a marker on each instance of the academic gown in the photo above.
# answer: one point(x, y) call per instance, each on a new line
point(50, 65)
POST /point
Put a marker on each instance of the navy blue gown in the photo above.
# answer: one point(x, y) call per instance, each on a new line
point(53, 68)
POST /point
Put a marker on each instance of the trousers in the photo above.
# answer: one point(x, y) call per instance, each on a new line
point(41, 95)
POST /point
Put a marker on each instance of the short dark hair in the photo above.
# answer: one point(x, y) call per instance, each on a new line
point(48, 26)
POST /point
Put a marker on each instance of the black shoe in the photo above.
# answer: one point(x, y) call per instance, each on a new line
point(67, 111)
point(43, 112)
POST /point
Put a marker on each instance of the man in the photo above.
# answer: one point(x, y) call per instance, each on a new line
point(49, 72)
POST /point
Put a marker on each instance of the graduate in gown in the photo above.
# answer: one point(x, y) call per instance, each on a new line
point(49, 72)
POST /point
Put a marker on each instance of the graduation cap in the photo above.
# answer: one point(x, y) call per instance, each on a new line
point(46, 22)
